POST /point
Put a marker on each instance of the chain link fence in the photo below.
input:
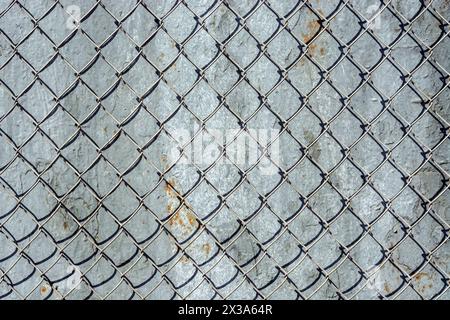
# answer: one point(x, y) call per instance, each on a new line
point(240, 149)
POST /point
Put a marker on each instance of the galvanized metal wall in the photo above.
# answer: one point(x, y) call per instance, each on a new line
point(98, 96)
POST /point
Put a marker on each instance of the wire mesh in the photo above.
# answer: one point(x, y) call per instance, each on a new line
point(103, 104)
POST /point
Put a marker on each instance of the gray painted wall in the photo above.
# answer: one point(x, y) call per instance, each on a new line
point(91, 113)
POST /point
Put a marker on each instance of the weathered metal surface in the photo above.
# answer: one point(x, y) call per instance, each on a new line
point(349, 201)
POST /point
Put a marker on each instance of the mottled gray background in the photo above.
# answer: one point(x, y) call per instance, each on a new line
point(358, 207)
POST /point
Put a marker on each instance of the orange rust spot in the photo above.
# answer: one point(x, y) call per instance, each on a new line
point(191, 219)
point(313, 27)
point(206, 248)
point(43, 290)
point(301, 62)
point(65, 225)
point(184, 259)
point(420, 275)
point(176, 219)
point(169, 188)
point(183, 218)
point(313, 50)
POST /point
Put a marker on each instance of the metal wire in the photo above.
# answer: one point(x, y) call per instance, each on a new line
point(91, 207)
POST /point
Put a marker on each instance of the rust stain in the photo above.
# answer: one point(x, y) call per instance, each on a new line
point(176, 220)
point(206, 248)
point(43, 290)
point(191, 218)
point(169, 187)
point(184, 259)
point(183, 218)
point(387, 288)
point(313, 27)
point(65, 225)
point(420, 276)
point(313, 48)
